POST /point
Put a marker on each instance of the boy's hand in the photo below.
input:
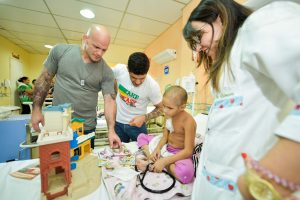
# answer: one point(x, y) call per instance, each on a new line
point(155, 155)
point(159, 165)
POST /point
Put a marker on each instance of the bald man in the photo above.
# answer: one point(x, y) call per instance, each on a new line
point(81, 73)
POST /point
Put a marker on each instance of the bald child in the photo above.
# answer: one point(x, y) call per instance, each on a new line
point(173, 150)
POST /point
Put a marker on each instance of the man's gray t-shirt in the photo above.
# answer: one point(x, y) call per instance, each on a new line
point(77, 82)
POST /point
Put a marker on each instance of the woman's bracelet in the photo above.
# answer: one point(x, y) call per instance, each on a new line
point(280, 181)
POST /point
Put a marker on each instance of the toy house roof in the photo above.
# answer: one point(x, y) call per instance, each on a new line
point(78, 120)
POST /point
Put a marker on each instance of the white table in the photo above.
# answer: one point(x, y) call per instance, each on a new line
point(12, 188)
point(15, 188)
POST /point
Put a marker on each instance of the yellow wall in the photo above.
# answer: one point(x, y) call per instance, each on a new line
point(35, 65)
point(122, 53)
point(169, 39)
point(6, 50)
point(32, 65)
point(183, 64)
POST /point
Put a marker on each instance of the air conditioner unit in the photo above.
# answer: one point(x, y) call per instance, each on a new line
point(165, 56)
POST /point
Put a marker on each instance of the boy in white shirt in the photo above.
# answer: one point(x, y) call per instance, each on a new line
point(136, 90)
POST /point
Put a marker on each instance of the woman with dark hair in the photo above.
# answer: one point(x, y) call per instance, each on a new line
point(25, 93)
point(252, 61)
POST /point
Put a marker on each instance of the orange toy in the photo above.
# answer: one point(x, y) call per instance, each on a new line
point(55, 157)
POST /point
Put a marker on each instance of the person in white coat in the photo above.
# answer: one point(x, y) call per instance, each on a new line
point(253, 63)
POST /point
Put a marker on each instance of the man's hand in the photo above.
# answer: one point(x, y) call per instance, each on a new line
point(114, 140)
point(37, 118)
point(137, 121)
point(40, 92)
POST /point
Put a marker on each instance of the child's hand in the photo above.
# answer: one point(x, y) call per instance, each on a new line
point(155, 155)
point(159, 165)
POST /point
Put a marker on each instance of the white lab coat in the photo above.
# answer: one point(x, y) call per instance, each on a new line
point(256, 104)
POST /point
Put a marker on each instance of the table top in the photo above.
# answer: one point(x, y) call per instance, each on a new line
point(85, 180)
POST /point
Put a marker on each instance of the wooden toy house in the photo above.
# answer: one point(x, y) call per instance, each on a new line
point(54, 150)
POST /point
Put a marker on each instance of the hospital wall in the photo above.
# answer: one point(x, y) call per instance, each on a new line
point(171, 38)
point(32, 64)
point(7, 49)
point(36, 64)
point(183, 65)
point(123, 53)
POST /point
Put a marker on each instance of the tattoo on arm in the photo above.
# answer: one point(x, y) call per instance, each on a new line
point(155, 113)
point(42, 86)
point(113, 96)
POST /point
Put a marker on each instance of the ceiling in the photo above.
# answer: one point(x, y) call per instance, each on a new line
point(31, 24)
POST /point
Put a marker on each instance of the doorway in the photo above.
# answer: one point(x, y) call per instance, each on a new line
point(16, 71)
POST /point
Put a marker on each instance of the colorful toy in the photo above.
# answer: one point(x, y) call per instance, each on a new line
point(57, 154)
point(77, 125)
point(81, 144)
point(112, 158)
point(54, 148)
